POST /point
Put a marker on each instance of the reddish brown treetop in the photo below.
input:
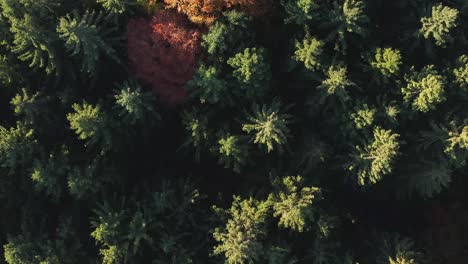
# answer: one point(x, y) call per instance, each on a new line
point(162, 51)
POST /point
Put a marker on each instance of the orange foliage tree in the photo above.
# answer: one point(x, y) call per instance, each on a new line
point(162, 51)
point(206, 11)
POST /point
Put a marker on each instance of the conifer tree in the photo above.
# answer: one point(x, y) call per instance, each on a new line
point(115, 6)
point(350, 17)
point(395, 249)
point(30, 108)
point(364, 116)
point(89, 123)
point(17, 145)
point(208, 85)
point(309, 51)
point(461, 73)
point(85, 38)
point(336, 83)
point(387, 61)
point(240, 240)
point(135, 106)
point(34, 44)
point(270, 126)
point(50, 175)
point(292, 203)
point(427, 179)
point(439, 25)
point(375, 160)
point(196, 124)
point(299, 11)
point(232, 152)
point(424, 89)
point(228, 36)
point(252, 71)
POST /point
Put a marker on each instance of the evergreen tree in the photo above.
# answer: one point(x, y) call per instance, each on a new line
point(196, 124)
point(232, 152)
point(208, 85)
point(309, 51)
point(424, 89)
point(135, 106)
point(394, 249)
point(375, 160)
point(17, 145)
point(438, 26)
point(270, 126)
point(387, 61)
point(252, 71)
point(299, 11)
point(89, 123)
point(461, 73)
point(228, 36)
point(85, 38)
point(30, 107)
point(292, 202)
point(115, 6)
point(336, 83)
point(239, 241)
point(364, 116)
point(34, 44)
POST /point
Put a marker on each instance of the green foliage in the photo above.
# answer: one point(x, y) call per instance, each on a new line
point(293, 203)
point(16, 146)
point(85, 38)
point(239, 240)
point(196, 124)
point(114, 6)
point(252, 70)
point(7, 70)
point(443, 19)
point(50, 175)
point(29, 107)
point(428, 178)
point(461, 72)
point(336, 83)
point(88, 122)
point(309, 52)
point(387, 61)
point(270, 126)
point(299, 11)
point(33, 44)
point(135, 106)
point(228, 36)
point(424, 89)
point(207, 85)
point(232, 152)
point(394, 249)
point(364, 116)
point(375, 160)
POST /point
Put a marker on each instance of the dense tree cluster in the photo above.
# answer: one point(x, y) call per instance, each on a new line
point(233, 131)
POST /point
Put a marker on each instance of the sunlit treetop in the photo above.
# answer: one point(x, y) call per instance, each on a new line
point(309, 52)
point(364, 116)
point(299, 11)
point(270, 125)
point(424, 89)
point(387, 61)
point(375, 160)
point(336, 82)
point(443, 19)
point(461, 72)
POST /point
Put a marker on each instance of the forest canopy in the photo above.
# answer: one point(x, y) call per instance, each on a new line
point(233, 131)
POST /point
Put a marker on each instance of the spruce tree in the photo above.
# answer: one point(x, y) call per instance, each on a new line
point(372, 162)
point(252, 71)
point(336, 83)
point(89, 123)
point(240, 240)
point(461, 73)
point(232, 152)
point(387, 61)
point(135, 106)
point(439, 25)
point(424, 89)
point(270, 126)
point(17, 146)
point(309, 51)
point(208, 85)
point(86, 37)
point(292, 203)
point(300, 11)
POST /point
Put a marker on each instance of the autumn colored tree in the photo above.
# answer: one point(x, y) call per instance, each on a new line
point(162, 51)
